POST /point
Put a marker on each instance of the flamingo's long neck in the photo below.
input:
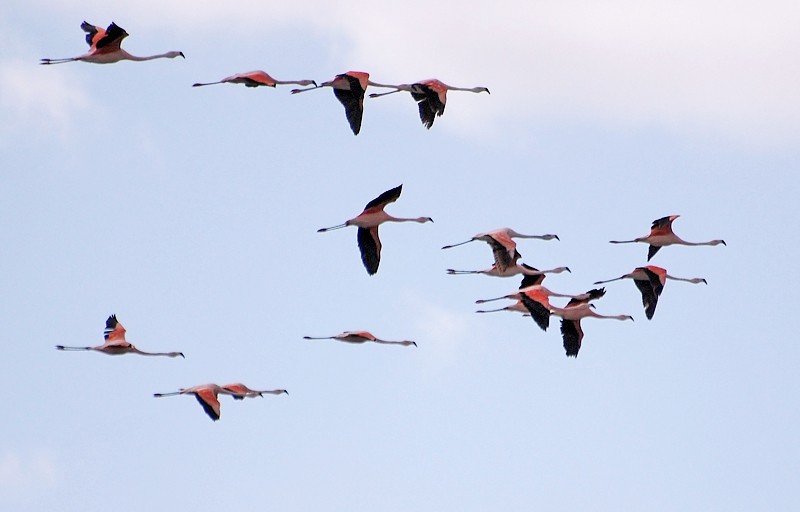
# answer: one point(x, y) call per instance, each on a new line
point(290, 82)
point(271, 391)
point(421, 220)
point(389, 342)
point(612, 317)
point(400, 87)
point(467, 89)
point(693, 280)
point(128, 56)
point(710, 242)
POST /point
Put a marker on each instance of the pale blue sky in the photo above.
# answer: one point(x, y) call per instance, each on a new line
point(192, 215)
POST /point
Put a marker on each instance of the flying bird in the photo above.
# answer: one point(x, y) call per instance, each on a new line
point(256, 79)
point(571, 315)
point(535, 298)
point(517, 307)
point(510, 271)
point(243, 391)
point(349, 89)
point(504, 248)
point(115, 343)
point(528, 282)
point(537, 288)
point(360, 337)
point(368, 221)
point(430, 95)
point(650, 281)
point(207, 397)
point(661, 235)
point(104, 47)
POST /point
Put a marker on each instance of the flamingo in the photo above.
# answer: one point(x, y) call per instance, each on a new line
point(349, 89)
point(535, 298)
point(360, 337)
point(368, 221)
point(661, 235)
point(430, 95)
point(537, 288)
point(115, 343)
point(243, 391)
point(650, 281)
point(571, 315)
point(517, 307)
point(510, 271)
point(207, 397)
point(256, 79)
point(104, 47)
point(528, 281)
point(503, 247)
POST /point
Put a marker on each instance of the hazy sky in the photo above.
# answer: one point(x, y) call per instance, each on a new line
point(192, 215)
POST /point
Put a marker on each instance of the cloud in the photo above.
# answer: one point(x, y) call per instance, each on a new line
point(441, 330)
point(702, 67)
point(28, 101)
point(18, 473)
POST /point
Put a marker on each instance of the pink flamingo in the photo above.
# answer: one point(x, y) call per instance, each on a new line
point(360, 337)
point(207, 397)
point(430, 95)
point(104, 47)
point(650, 281)
point(368, 221)
point(256, 79)
point(571, 315)
point(504, 248)
point(528, 281)
point(510, 271)
point(241, 391)
point(115, 343)
point(661, 235)
point(535, 298)
point(518, 307)
point(349, 89)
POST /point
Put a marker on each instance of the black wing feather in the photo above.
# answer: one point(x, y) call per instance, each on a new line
point(111, 324)
point(429, 104)
point(387, 197)
point(370, 252)
point(660, 223)
point(655, 281)
point(530, 280)
point(649, 297)
point(209, 410)
point(539, 313)
point(113, 33)
point(592, 294)
point(502, 260)
point(652, 251)
point(90, 30)
point(353, 101)
point(572, 334)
